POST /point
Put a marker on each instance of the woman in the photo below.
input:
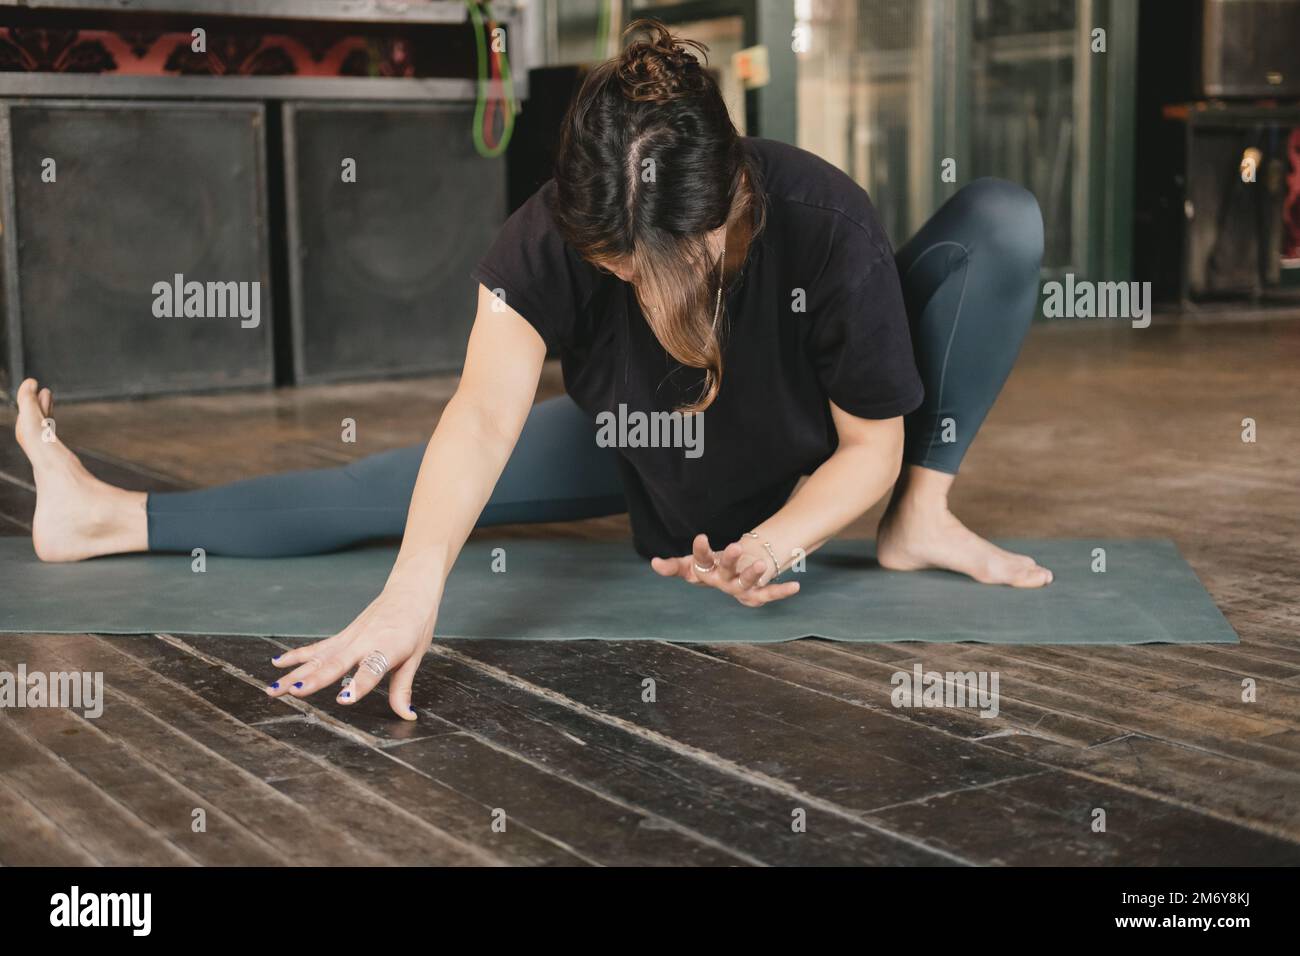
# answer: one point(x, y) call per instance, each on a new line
point(675, 267)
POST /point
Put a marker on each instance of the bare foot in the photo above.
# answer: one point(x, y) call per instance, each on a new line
point(77, 515)
point(918, 531)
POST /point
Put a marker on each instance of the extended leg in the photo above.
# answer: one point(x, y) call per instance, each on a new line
point(555, 473)
point(970, 281)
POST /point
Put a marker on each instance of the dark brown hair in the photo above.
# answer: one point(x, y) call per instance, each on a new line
point(649, 164)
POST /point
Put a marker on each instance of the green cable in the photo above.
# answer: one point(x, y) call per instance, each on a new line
point(508, 125)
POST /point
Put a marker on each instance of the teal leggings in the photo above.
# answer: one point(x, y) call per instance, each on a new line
point(970, 281)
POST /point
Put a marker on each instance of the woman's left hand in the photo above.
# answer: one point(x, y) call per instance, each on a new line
point(731, 571)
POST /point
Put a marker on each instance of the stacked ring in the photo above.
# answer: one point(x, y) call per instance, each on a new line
point(376, 663)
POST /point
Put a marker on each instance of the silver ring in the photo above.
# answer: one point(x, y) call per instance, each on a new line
point(705, 570)
point(376, 663)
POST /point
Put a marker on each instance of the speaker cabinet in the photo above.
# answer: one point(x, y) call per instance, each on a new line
point(104, 205)
point(1251, 48)
point(389, 208)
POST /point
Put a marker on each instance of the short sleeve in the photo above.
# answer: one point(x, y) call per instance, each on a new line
point(532, 269)
point(860, 342)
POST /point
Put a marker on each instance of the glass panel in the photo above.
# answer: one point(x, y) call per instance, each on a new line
point(859, 89)
point(573, 28)
point(1024, 125)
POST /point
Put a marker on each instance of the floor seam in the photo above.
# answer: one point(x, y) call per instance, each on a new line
point(708, 758)
point(474, 851)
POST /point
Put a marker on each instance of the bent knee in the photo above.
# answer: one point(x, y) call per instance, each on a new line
point(1012, 223)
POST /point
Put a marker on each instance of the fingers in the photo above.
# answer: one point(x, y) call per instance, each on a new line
point(364, 680)
point(751, 585)
point(682, 567)
point(757, 597)
point(318, 665)
point(310, 676)
point(741, 576)
point(399, 687)
point(667, 567)
point(300, 655)
point(751, 574)
point(703, 555)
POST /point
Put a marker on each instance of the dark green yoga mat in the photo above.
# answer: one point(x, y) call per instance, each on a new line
point(553, 590)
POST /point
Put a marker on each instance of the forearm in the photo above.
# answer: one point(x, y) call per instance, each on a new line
point(461, 465)
point(839, 492)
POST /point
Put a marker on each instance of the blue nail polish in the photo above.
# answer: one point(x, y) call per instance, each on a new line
point(412, 707)
point(346, 693)
point(298, 684)
point(276, 658)
point(275, 686)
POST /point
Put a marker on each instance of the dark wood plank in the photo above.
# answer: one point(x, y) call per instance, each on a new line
point(460, 782)
point(148, 793)
point(852, 756)
point(833, 668)
point(736, 812)
point(994, 825)
point(747, 812)
point(91, 819)
point(357, 751)
point(1260, 798)
point(1125, 708)
point(298, 804)
point(30, 838)
point(1245, 792)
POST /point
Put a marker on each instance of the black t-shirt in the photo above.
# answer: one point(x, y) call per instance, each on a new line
point(816, 314)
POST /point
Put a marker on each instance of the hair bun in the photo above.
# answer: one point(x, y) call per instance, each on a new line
point(661, 67)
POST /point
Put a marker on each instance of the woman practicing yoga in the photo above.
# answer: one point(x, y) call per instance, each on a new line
point(675, 267)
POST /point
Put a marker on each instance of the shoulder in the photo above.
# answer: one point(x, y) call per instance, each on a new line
point(531, 267)
point(812, 195)
point(533, 221)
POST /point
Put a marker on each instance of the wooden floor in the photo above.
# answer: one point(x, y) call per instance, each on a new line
point(1102, 431)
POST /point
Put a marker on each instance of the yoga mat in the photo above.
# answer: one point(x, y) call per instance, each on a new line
point(555, 590)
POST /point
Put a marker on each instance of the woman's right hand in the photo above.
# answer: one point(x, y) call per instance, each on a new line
point(398, 625)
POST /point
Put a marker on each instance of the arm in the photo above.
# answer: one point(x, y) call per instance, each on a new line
point(862, 469)
point(859, 473)
point(469, 449)
point(461, 465)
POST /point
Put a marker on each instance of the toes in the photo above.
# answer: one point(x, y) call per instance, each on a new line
point(46, 400)
point(1033, 577)
point(28, 406)
point(28, 426)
